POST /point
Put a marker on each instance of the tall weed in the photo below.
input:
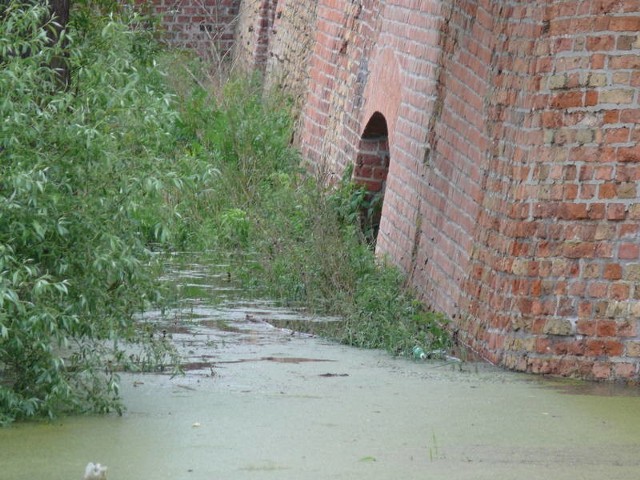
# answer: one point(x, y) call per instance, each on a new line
point(82, 171)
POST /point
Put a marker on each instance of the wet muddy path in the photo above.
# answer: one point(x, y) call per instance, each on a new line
point(261, 402)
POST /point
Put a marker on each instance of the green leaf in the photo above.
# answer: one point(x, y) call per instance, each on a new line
point(39, 229)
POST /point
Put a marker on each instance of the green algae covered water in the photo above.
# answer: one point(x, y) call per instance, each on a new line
point(259, 402)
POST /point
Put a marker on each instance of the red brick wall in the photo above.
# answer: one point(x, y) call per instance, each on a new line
point(253, 33)
point(206, 26)
point(290, 45)
point(372, 163)
point(569, 100)
point(511, 199)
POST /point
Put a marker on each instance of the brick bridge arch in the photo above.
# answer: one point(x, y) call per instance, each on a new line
point(371, 170)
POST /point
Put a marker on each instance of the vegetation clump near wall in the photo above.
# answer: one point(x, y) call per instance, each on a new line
point(138, 154)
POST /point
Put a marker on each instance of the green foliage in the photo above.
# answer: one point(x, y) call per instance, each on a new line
point(246, 137)
point(357, 206)
point(316, 253)
point(81, 172)
point(234, 227)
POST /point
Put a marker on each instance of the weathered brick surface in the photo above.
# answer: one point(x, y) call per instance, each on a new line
point(253, 31)
point(512, 159)
point(206, 26)
point(290, 46)
point(511, 196)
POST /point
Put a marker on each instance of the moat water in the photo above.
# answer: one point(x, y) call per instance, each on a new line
point(262, 402)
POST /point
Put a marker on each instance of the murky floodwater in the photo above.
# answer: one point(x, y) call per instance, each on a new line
point(259, 402)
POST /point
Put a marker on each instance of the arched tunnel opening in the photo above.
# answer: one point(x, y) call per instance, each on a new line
point(370, 171)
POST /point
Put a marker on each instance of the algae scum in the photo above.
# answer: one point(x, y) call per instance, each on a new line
point(259, 401)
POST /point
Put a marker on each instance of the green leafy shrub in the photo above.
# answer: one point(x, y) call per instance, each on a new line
point(356, 206)
point(81, 172)
point(234, 226)
point(245, 138)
